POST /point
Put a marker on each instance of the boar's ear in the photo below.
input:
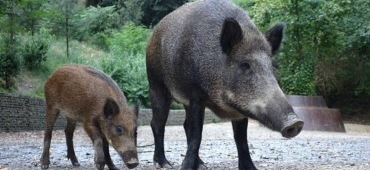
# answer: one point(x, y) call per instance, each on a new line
point(231, 34)
point(275, 36)
point(110, 108)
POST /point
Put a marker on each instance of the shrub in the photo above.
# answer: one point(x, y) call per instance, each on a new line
point(94, 20)
point(9, 67)
point(126, 62)
point(10, 64)
point(132, 38)
point(129, 71)
point(34, 49)
point(297, 77)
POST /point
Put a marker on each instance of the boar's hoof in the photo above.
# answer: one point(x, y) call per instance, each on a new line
point(75, 163)
point(113, 168)
point(201, 167)
point(164, 166)
point(293, 129)
point(100, 166)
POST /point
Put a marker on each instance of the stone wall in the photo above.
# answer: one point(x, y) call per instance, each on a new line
point(21, 113)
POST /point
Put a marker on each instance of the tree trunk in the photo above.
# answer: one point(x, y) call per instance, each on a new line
point(67, 37)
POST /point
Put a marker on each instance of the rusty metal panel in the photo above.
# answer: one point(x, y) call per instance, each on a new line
point(306, 101)
point(320, 119)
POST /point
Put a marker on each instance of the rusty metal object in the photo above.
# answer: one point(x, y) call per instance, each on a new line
point(320, 119)
point(315, 113)
point(306, 101)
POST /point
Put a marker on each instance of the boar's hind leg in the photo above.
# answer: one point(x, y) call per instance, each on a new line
point(70, 128)
point(240, 136)
point(160, 100)
point(50, 118)
point(193, 129)
point(186, 127)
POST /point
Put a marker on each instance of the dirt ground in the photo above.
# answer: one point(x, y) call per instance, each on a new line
point(309, 150)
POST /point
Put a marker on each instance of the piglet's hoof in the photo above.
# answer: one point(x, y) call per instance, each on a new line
point(44, 166)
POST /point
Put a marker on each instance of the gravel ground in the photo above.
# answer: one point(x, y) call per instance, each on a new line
point(309, 150)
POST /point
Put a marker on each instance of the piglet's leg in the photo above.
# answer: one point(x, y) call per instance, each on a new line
point(50, 118)
point(240, 137)
point(108, 159)
point(70, 128)
point(95, 136)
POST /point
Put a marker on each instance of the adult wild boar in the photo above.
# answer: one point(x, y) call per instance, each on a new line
point(210, 54)
point(87, 95)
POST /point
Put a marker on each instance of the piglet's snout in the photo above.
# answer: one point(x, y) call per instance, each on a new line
point(130, 159)
point(293, 128)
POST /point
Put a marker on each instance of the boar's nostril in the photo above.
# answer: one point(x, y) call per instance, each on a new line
point(293, 129)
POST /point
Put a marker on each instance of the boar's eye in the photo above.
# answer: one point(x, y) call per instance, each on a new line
point(244, 65)
point(119, 130)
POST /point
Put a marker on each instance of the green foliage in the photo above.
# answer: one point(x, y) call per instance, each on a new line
point(9, 24)
point(34, 49)
point(33, 12)
point(94, 21)
point(155, 10)
point(126, 62)
point(245, 4)
point(129, 71)
point(326, 47)
point(131, 38)
point(297, 77)
point(130, 11)
point(59, 16)
point(10, 64)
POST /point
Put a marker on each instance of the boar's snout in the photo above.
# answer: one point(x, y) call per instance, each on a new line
point(292, 129)
point(130, 159)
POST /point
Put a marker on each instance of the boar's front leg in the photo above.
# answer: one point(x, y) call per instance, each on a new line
point(70, 128)
point(193, 128)
point(94, 133)
point(160, 99)
point(186, 127)
point(240, 137)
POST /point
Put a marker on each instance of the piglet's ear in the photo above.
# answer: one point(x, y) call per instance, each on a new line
point(274, 36)
point(110, 108)
point(231, 34)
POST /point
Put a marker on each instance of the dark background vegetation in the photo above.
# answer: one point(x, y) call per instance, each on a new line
point(326, 47)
